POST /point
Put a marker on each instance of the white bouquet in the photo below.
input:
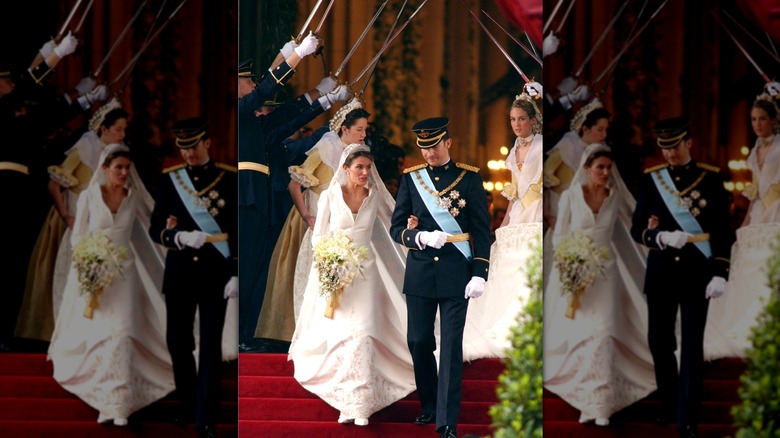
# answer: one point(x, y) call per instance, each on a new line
point(337, 261)
point(97, 262)
point(578, 261)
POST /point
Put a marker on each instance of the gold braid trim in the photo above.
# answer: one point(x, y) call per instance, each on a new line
point(413, 168)
point(480, 258)
point(443, 192)
point(709, 167)
point(682, 192)
point(467, 167)
point(202, 192)
point(227, 167)
point(176, 167)
point(654, 168)
point(279, 80)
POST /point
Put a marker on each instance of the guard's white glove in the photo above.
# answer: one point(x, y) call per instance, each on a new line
point(288, 48)
point(580, 94)
point(675, 239)
point(340, 94)
point(534, 89)
point(308, 45)
point(326, 85)
point(47, 49)
point(475, 287)
point(550, 44)
point(231, 288)
point(435, 239)
point(85, 85)
point(98, 94)
point(716, 287)
point(193, 239)
point(773, 88)
point(66, 46)
point(567, 85)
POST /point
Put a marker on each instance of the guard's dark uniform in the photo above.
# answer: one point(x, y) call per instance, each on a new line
point(196, 278)
point(437, 279)
point(260, 138)
point(679, 277)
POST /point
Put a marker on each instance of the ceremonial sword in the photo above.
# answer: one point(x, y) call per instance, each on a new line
point(373, 68)
point(360, 39)
point(38, 57)
point(601, 39)
point(119, 39)
point(308, 20)
point(83, 17)
point(533, 54)
point(552, 15)
point(773, 55)
point(148, 35)
point(741, 49)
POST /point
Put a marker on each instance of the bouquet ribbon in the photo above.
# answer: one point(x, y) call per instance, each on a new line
point(574, 303)
point(333, 303)
point(92, 303)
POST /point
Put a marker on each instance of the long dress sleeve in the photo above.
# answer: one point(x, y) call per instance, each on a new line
point(82, 219)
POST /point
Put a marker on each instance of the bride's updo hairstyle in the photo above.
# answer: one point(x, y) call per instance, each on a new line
point(116, 154)
point(358, 153)
point(598, 154)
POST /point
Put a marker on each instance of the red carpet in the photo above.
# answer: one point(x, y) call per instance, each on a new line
point(721, 380)
point(32, 404)
point(273, 404)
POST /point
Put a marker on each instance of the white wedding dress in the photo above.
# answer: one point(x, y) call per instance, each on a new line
point(599, 361)
point(358, 361)
point(118, 361)
point(731, 317)
point(491, 317)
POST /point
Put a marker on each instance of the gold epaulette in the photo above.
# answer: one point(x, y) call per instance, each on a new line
point(709, 167)
point(413, 168)
point(227, 167)
point(658, 167)
point(467, 167)
point(176, 167)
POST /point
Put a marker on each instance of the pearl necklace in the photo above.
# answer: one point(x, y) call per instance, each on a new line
point(524, 141)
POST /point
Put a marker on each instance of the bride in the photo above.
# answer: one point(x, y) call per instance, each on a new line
point(598, 361)
point(117, 361)
point(730, 318)
point(358, 361)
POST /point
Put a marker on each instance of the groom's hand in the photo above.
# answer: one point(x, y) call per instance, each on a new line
point(435, 239)
point(193, 239)
point(475, 287)
point(675, 239)
point(231, 288)
point(716, 288)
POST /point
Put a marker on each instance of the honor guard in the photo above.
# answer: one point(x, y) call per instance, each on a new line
point(682, 215)
point(447, 264)
point(195, 218)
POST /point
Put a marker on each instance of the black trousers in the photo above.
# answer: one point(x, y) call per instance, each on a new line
point(681, 393)
point(254, 256)
point(439, 392)
point(198, 391)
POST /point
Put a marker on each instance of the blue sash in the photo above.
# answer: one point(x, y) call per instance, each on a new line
point(682, 215)
point(200, 215)
point(442, 216)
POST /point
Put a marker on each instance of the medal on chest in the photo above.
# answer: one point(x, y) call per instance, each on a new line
point(448, 198)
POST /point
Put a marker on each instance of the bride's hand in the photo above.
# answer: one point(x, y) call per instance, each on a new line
point(171, 222)
point(652, 222)
point(70, 220)
point(310, 221)
point(412, 222)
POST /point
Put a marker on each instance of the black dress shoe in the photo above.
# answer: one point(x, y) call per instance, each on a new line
point(448, 432)
point(425, 418)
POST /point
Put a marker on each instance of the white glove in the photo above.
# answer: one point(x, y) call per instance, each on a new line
point(288, 48)
point(98, 94)
point(716, 287)
point(675, 239)
point(340, 94)
point(534, 89)
point(550, 44)
point(475, 287)
point(567, 85)
point(580, 94)
point(66, 46)
point(435, 239)
point(231, 288)
point(308, 45)
point(85, 85)
point(773, 88)
point(193, 239)
point(326, 85)
point(47, 49)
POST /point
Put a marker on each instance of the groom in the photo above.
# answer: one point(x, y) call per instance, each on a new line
point(195, 218)
point(443, 270)
point(682, 215)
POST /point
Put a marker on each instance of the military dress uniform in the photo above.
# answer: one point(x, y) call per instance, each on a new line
point(196, 278)
point(260, 138)
point(678, 278)
point(437, 278)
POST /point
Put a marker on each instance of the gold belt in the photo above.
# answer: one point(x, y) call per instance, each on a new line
point(463, 237)
point(221, 237)
point(703, 237)
point(21, 168)
point(249, 165)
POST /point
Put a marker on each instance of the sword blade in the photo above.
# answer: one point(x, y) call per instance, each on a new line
point(495, 41)
point(67, 20)
point(565, 16)
point(630, 40)
point(390, 41)
point(601, 39)
point(324, 15)
point(120, 38)
point(373, 68)
point(360, 39)
point(121, 89)
point(739, 46)
point(84, 16)
point(760, 44)
point(533, 54)
point(308, 20)
point(552, 15)
point(630, 34)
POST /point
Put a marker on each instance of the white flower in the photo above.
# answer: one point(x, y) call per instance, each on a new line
point(97, 261)
point(337, 261)
point(578, 261)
